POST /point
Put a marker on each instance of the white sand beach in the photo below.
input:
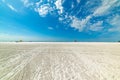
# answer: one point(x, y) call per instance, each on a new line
point(59, 61)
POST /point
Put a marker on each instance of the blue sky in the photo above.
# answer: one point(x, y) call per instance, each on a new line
point(60, 20)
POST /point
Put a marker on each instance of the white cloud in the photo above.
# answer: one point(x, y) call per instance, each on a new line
point(27, 3)
point(11, 7)
point(101, 10)
point(59, 6)
point(38, 3)
point(60, 19)
point(50, 28)
point(70, 19)
point(72, 5)
point(105, 6)
point(3, 0)
point(117, 3)
point(115, 22)
point(78, 1)
point(43, 10)
point(80, 24)
point(97, 26)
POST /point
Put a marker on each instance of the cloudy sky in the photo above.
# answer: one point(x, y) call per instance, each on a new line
point(60, 20)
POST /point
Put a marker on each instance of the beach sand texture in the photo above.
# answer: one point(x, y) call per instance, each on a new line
point(59, 61)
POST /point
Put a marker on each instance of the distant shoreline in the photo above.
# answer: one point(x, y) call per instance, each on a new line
point(60, 42)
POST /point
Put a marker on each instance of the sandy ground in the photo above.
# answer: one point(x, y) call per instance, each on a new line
point(59, 61)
